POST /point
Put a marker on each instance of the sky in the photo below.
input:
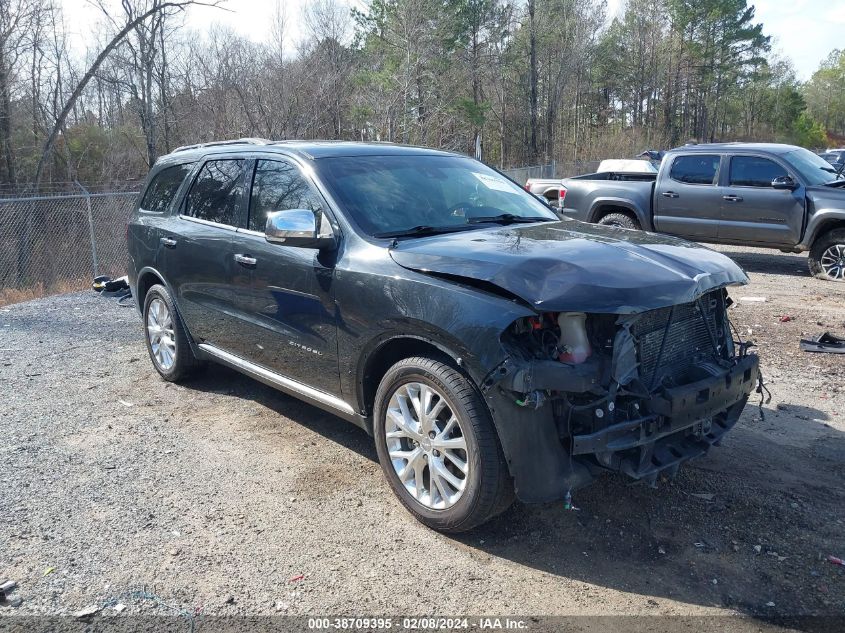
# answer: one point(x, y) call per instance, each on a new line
point(804, 31)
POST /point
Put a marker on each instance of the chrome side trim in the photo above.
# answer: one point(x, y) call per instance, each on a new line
point(272, 377)
point(227, 227)
point(249, 232)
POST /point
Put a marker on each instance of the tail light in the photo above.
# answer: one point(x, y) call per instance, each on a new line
point(561, 196)
point(527, 187)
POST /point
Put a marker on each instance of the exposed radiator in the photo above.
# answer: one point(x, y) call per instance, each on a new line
point(687, 340)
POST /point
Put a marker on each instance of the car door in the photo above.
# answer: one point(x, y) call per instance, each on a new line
point(688, 199)
point(199, 263)
point(753, 211)
point(283, 294)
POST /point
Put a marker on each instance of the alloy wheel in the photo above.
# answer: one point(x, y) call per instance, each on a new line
point(833, 261)
point(426, 445)
point(160, 334)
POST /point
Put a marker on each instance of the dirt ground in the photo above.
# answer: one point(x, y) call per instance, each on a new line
point(227, 496)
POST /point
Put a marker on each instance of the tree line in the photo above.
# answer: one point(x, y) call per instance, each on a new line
point(520, 81)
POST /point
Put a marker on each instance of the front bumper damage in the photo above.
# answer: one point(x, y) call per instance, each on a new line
point(686, 421)
point(561, 425)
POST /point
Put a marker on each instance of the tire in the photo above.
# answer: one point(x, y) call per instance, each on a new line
point(166, 336)
point(485, 488)
point(622, 220)
point(827, 256)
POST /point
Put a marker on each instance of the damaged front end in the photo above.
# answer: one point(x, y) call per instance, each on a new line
point(637, 394)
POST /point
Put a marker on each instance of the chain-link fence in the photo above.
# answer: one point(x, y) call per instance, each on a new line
point(57, 243)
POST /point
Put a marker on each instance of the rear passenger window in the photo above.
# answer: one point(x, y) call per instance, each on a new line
point(278, 185)
point(163, 187)
point(698, 169)
point(750, 171)
point(216, 193)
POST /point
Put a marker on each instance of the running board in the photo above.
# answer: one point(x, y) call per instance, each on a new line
point(284, 383)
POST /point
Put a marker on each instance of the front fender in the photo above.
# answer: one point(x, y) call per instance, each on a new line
point(821, 221)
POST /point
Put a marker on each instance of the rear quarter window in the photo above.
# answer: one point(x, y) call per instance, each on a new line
point(163, 188)
point(697, 169)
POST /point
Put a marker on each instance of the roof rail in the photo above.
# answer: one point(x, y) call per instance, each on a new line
point(239, 141)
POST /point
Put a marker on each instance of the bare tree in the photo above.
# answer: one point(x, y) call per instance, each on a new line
point(157, 7)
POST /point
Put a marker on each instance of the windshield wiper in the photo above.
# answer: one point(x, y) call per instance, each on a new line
point(508, 218)
point(421, 230)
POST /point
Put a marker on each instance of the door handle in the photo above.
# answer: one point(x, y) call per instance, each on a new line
point(732, 198)
point(669, 194)
point(168, 242)
point(246, 260)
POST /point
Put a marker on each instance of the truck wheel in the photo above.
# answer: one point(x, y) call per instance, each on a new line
point(622, 220)
point(166, 337)
point(437, 446)
point(827, 256)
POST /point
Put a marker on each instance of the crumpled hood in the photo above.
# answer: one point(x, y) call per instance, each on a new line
point(574, 266)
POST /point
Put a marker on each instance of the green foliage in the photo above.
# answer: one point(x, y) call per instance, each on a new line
point(825, 93)
point(809, 133)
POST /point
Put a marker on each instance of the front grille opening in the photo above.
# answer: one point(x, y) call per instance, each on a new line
point(673, 354)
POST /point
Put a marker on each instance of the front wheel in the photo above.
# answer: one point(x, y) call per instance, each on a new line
point(827, 256)
point(437, 446)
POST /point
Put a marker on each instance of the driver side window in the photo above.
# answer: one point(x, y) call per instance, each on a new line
point(753, 171)
point(279, 185)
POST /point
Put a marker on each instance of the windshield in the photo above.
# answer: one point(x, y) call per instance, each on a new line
point(814, 169)
point(396, 194)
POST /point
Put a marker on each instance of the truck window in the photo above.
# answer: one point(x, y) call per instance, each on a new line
point(216, 192)
point(753, 171)
point(163, 187)
point(696, 169)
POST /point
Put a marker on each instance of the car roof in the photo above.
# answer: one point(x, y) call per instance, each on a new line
point(771, 148)
point(310, 150)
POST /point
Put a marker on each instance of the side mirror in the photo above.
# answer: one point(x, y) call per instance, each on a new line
point(784, 182)
point(296, 227)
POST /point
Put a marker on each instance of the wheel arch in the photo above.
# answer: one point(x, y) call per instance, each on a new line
point(605, 206)
point(389, 350)
point(147, 278)
point(824, 226)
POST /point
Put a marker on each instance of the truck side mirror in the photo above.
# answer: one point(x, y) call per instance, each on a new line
point(784, 182)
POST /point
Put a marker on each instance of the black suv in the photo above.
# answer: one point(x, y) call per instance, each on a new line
point(491, 349)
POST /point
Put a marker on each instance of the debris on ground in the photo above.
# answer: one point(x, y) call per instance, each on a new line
point(87, 612)
point(753, 299)
point(6, 589)
point(835, 560)
point(786, 318)
point(826, 342)
point(707, 496)
point(297, 578)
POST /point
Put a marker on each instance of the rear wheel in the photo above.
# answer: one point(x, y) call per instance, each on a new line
point(621, 220)
point(165, 335)
point(827, 256)
point(437, 446)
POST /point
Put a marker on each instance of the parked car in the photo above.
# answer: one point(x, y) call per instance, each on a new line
point(769, 195)
point(489, 348)
point(835, 157)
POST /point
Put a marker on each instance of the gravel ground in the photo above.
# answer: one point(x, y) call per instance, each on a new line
point(224, 495)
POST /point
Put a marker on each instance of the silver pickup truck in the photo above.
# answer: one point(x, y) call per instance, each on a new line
point(749, 194)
